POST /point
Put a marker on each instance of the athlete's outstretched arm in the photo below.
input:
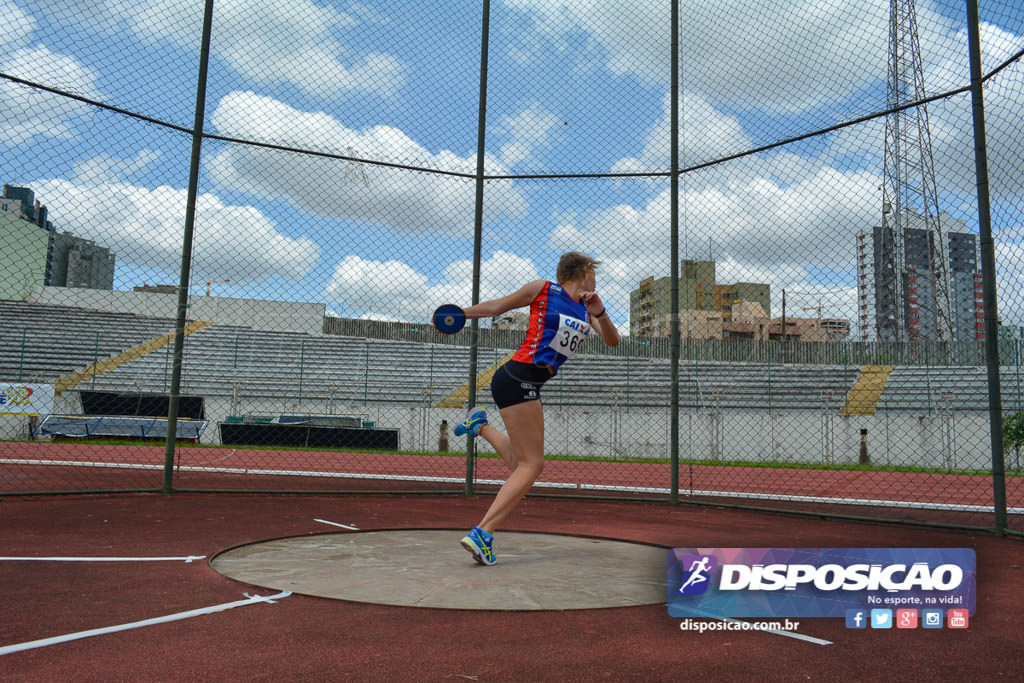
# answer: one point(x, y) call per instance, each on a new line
point(523, 296)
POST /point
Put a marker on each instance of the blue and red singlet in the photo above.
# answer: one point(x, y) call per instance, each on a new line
point(558, 327)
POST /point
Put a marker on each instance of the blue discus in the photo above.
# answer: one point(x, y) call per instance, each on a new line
point(449, 319)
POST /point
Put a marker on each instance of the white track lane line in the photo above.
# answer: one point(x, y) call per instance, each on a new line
point(343, 526)
point(56, 640)
point(187, 560)
point(788, 634)
point(868, 502)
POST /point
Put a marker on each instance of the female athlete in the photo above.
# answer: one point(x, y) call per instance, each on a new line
point(562, 316)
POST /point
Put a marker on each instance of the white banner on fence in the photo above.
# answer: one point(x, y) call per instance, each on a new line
point(25, 399)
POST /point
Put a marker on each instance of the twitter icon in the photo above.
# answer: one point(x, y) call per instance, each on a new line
point(881, 618)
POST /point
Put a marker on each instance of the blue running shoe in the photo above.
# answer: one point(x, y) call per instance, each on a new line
point(479, 543)
point(477, 419)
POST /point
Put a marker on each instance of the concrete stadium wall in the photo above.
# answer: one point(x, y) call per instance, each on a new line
point(261, 314)
point(956, 441)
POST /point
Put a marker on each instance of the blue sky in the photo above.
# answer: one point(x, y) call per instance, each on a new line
point(573, 88)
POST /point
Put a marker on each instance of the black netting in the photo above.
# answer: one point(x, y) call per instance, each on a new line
point(829, 292)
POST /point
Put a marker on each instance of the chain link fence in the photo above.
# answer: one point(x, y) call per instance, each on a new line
point(225, 227)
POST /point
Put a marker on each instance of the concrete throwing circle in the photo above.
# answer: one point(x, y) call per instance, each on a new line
point(428, 568)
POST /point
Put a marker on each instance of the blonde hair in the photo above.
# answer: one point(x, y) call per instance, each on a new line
point(572, 265)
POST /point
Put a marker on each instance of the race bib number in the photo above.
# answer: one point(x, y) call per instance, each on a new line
point(571, 334)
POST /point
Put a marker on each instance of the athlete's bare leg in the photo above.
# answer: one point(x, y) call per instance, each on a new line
point(501, 444)
point(525, 424)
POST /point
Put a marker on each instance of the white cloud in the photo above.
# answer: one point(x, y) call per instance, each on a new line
point(775, 215)
point(1009, 257)
point(390, 290)
point(98, 16)
point(528, 131)
point(513, 153)
point(27, 112)
point(704, 134)
point(532, 124)
point(272, 42)
point(758, 230)
point(143, 227)
point(17, 27)
point(104, 168)
point(951, 68)
point(406, 201)
point(952, 127)
point(374, 286)
point(784, 57)
point(752, 219)
point(566, 236)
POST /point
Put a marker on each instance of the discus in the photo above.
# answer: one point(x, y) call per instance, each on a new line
point(449, 319)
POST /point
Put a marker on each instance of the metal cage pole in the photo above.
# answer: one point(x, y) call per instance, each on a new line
point(186, 248)
point(478, 213)
point(674, 251)
point(988, 272)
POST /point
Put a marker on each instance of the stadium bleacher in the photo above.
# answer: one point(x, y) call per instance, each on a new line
point(43, 343)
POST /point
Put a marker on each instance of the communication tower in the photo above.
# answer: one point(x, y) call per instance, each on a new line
point(911, 282)
point(354, 171)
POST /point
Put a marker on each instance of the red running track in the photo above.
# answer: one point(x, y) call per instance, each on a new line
point(313, 639)
point(47, 466)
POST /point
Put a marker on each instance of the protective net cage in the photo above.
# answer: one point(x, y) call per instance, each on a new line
point(225, 226)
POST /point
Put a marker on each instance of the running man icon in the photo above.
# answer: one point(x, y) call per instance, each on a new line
point(698, 574)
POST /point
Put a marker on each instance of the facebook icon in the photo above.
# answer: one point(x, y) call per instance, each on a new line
point(856, 618)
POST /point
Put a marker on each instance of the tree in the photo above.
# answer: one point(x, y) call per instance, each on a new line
point(1013, 433)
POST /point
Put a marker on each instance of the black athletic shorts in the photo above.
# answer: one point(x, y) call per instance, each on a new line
point(516, 382)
